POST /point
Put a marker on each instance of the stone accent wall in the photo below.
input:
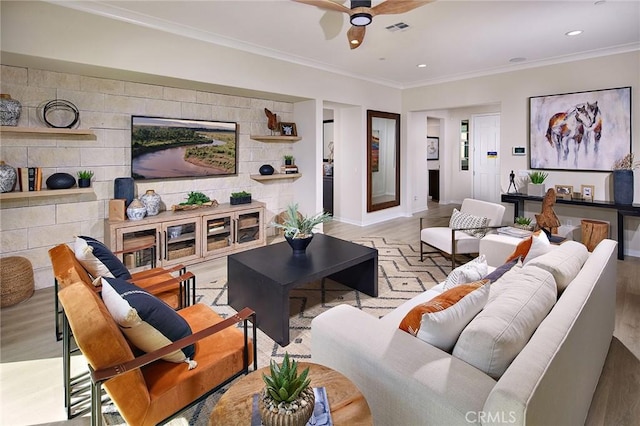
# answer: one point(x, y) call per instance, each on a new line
point(30, 227)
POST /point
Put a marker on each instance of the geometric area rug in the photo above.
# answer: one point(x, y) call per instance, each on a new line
point(401, 276)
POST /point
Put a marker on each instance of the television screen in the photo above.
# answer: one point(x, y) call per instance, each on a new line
point(181, 148)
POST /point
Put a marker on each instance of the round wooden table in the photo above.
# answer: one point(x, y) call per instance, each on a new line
point(348, 406)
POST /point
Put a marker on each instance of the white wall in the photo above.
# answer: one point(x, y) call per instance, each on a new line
point(512, 91)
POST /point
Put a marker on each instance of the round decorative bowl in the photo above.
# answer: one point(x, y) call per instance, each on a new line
point(174, 231)
point(136, 210)
point(60, 181)
point(266, 169)
point(299, 245)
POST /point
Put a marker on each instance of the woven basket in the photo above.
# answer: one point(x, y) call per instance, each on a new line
point(183, 252)
point(213, 245)
point(16, 280)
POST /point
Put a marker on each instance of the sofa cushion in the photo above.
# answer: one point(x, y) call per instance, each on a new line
point(148, 322)
point(531, 247)
point(563, 263)
point(440, 321)
point(471, 271)
point(98, 260)
point(460, 220)
point(497, 334)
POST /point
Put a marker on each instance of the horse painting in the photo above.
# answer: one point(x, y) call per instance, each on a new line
point(573, 126)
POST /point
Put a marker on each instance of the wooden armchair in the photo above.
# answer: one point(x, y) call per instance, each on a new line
point(177, 292)
point(460, 240)
point(146, 389)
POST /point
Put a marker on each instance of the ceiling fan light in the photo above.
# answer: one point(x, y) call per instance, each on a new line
point(361, 19)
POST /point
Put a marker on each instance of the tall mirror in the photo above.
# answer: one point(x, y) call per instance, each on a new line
point(383, 160)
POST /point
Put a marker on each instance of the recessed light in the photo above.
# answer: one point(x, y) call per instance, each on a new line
point(421, 65)
point(354, 41)
point(573, 33)
point(518, 59)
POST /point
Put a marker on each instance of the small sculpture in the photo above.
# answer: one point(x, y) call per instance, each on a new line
point(272, 120)
point(547, 219)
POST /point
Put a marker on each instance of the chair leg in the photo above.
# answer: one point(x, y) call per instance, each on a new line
point(96, 404)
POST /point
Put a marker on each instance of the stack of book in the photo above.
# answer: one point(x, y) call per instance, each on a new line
point(289, 169)
point(30, 178)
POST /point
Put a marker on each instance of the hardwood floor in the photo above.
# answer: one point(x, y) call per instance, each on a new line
point(30, 368)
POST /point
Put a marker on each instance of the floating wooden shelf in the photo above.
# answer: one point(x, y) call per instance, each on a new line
point(276, 176)
point(15, 195)
point(46, 131)
point(275, 138)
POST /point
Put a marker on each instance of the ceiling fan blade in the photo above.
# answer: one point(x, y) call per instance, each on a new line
point(331, 24)
point(392, 7)
point(355, 34)
point(326, 4)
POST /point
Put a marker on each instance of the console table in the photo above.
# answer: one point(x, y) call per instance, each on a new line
point(623, 210)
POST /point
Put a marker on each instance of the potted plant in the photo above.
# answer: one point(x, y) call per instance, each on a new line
point(241, 197)
point(84, 178)
point(523, 223)
point(298, 229)
point(623, 179)
point(288, 160)
point(536, 185)
point(287, 398)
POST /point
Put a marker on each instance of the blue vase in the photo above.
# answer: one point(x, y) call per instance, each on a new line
point(299, 245)
point(623, 186)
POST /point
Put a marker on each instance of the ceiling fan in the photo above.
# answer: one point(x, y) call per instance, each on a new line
point(361, 13)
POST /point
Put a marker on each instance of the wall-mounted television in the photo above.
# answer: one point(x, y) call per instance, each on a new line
point(164, 148)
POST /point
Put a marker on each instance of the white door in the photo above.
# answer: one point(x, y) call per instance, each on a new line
point(485, 141)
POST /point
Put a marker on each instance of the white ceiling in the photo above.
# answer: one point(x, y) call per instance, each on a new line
point(455, 39)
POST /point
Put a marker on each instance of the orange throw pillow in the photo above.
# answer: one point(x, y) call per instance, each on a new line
point(440, 321)
point(522, 249)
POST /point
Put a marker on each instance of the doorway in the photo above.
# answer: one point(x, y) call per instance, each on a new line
point(485, 136)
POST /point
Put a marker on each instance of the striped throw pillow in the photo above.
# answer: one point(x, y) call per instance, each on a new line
point(461, 220)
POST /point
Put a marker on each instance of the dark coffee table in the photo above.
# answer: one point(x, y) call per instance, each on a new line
point(262, 278)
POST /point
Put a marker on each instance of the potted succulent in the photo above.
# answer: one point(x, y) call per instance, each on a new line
point(288, 160)
point(287, 399)
point(536, 185)
point(523, 223)
point(242, 197)
point(623, 179)
point(84, 178)
point(298, 229)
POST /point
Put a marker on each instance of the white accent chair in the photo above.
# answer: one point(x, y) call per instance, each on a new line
point(455, 241)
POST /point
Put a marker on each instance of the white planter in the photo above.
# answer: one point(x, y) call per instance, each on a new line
point(535, 189)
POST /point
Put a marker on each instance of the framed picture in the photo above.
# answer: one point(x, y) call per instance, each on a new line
point(587, 192)
point(585, 131)
point(433, 148)
point(288, 129)
point(564, 191)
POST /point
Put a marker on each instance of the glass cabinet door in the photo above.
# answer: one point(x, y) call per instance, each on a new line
point(133, 237)
point(181, 241)
point(248, 227)
point(218, 232)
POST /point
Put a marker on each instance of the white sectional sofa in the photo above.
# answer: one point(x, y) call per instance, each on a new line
point(551, 381)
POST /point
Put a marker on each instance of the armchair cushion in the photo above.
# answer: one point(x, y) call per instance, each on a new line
point(440, 238)
point(147, 322)
point(461, 220)
point(98, 260)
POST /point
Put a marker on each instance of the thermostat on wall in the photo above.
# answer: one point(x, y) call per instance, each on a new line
point(518, 150)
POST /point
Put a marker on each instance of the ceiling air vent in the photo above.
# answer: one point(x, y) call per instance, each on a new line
point(397, 27)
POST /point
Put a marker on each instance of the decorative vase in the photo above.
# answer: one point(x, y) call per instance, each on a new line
point(136, 210)
point(123, 189)
point(8, 177)
point(535, 189)
point(623, 186)
point(151, 201)
point(299, 245)
point(266, 169)
point(60, 181)
point(84, 183)
point(272, 417)
point(10, 110)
